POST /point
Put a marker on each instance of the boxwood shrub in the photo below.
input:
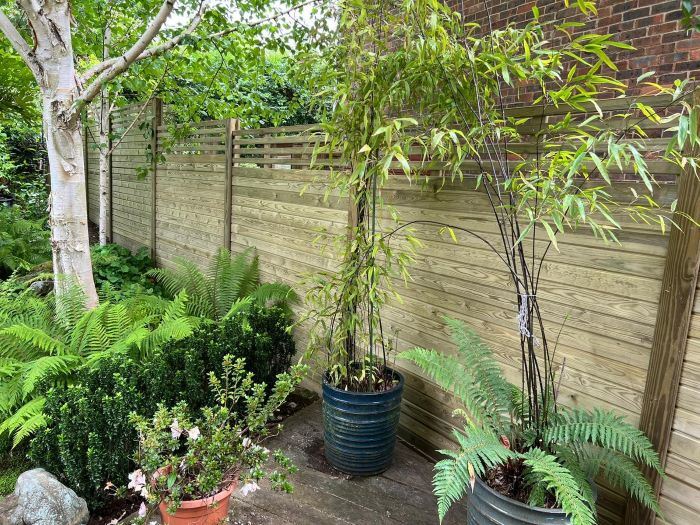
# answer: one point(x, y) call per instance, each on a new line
point(88, 440)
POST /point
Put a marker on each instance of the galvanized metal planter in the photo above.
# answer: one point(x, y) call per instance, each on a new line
point(359, 428)
point(485, 506)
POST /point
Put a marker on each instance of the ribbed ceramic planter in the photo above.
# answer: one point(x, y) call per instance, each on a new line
point(485, 506)
point(207, 511)
point(359, 428)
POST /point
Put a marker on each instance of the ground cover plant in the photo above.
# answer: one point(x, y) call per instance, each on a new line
point(119, 267)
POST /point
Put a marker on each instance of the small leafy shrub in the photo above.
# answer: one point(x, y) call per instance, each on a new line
point(117, 266)
point(258, 334)
point(547, 466)
point(23, 242)
point(182, 458)
point(87, 440)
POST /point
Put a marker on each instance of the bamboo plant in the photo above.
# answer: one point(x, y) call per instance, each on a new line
point(423, 94)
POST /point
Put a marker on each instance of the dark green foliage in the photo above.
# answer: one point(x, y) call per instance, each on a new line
point(117, 266)
point(88, 441)
point(257, 334)
point(12, 464)
point(88, 437)
point(23, 242)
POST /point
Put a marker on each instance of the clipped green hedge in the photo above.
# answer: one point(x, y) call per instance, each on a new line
point(89, 441)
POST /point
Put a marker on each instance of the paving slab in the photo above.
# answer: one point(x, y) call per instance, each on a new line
point(324, 496)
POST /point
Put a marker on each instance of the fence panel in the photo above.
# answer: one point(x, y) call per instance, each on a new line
point(190, 193)
point(603, 299)
point(131, 178)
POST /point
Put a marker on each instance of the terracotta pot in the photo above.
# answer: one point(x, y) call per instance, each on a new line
point(207, 511)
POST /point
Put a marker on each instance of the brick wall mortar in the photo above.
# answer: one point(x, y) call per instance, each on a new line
point(653, 27)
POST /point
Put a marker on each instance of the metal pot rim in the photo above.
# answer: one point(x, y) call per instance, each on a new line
point(515, 502)
point(395, 373)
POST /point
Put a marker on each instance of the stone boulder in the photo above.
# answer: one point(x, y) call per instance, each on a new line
point(41, 288)
point(40, 499)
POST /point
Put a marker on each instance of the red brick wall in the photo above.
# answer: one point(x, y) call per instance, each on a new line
point(653, 27)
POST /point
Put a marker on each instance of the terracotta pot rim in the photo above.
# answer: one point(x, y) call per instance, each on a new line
point(208, 501)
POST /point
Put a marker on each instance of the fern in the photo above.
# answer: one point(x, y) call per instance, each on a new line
point(473, 376)
point(227, 281)
point(620, 471)
point(479, 448)
point(560, 459)
point(43, 343)
point(558, 479)
point(606, 430)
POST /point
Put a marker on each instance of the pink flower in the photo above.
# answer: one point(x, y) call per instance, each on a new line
point(249, 488)
point(142, 510)
point(137, 480)
point(193, 433)
point(175, 429)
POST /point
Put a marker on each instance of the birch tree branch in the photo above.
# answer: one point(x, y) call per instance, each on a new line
point(150, 52)
point(20, 45)
point(123, 62)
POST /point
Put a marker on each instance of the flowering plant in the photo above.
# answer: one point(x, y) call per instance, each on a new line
point(181, 458)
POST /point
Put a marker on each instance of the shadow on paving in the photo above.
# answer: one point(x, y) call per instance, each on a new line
point(324, 496)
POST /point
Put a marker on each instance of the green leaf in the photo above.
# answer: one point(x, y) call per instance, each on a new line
point(550, 233)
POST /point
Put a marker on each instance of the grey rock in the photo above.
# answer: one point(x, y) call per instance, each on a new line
point(40, 499)
point(41, 288)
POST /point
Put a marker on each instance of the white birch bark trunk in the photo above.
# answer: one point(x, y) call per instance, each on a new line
point(72, 264)
point(105, 154)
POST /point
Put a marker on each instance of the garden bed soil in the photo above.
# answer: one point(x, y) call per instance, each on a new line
point(116, 508)
point(121, 508)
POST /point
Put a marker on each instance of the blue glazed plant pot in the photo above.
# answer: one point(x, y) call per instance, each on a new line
point(359, 428)
point(486, 506)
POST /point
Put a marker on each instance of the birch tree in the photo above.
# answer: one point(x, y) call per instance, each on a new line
point(46, 46)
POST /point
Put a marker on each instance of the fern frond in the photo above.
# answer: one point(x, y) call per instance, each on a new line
point(50, 366)
point(275, 293)
point(605, 429)
point(479, 358)
point(35, 337)
point(457, 377)
point(14, 425)
point(479, 448)
point(571, 460)
point(621, 472)
point(559, 480)
point(239, 305)
point(70, 307)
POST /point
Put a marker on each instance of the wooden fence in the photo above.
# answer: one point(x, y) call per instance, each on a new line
point(622, 307)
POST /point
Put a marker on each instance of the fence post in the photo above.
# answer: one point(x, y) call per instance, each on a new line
point(85, 161)
point(232, 125)
point(670, 333)
point(110, 184)
point(156, 120)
